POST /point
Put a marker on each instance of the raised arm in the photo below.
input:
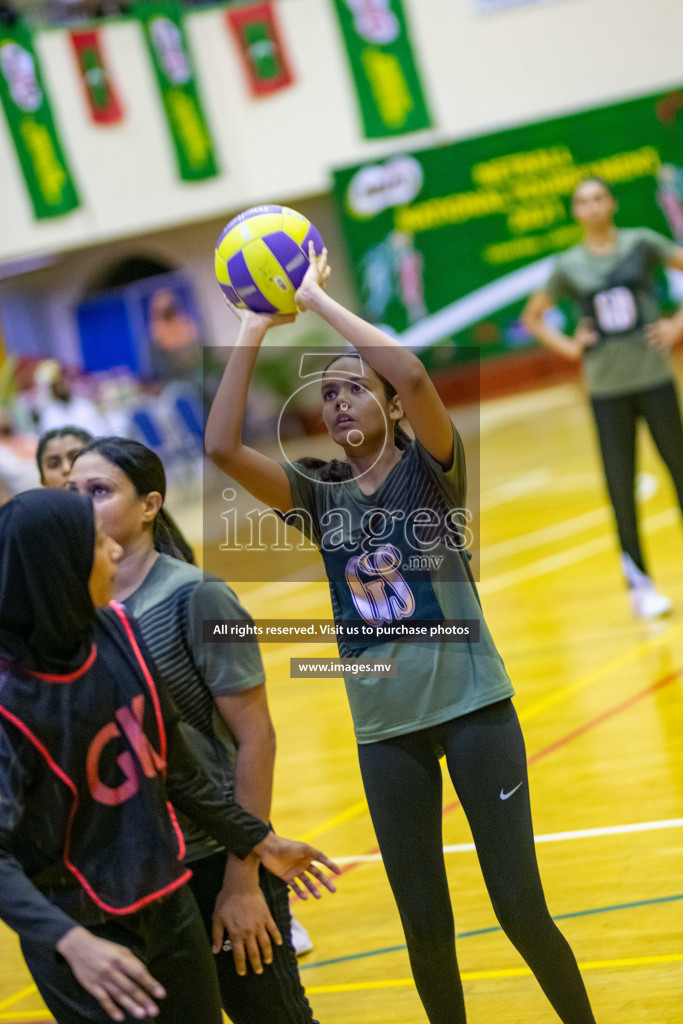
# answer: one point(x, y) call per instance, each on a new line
point(552, 337)
point(260, 475)
point(421, 403)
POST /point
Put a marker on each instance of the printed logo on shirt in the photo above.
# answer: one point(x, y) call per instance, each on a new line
point(379, 591)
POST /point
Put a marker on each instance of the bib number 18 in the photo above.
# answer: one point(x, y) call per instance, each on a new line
point(616, 310)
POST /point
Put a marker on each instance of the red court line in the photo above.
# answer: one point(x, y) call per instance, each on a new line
point(564, 740)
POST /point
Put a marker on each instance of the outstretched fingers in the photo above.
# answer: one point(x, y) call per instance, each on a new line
point(320, 857)
point(302, 880)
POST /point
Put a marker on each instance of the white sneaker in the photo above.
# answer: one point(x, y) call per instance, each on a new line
point(648, 603)
point(301, 940)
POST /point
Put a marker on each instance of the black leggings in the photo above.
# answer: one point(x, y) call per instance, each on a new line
point(276, 996)
point(169, 937)
point(616, 420)
point(487, 764)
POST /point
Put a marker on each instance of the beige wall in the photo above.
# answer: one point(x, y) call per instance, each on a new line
point(480, 72)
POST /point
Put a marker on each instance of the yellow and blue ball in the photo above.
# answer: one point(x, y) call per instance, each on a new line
point(262, 256)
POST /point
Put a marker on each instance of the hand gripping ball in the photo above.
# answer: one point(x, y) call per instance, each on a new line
point(262, 256)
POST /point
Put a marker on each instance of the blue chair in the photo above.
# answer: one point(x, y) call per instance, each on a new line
point(148, 430)
point(189, 411)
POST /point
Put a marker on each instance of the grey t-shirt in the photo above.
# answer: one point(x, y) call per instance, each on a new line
point(169, 609)
point(616, 291)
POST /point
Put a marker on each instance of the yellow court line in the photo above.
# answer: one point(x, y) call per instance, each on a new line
point(568, 556)
point(25, 1015)
point(357, 986)
point(17, 997)
point(337, 819)
point(511, 972)
point(620, 661)
point(546, 534)
point(35, 1015)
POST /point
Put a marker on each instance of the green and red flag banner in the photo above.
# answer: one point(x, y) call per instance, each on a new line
point(31, 124)
point(162, 22)
point(390, 94)
point(447, 243)
point(103, 102)
point(257, 33)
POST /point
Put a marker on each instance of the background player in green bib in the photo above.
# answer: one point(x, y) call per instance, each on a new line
point(624, 345)
point(450, 699)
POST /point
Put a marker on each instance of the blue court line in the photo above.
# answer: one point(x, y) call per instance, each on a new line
point(497, 928)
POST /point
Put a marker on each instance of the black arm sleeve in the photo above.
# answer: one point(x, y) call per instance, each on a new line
point(22, 907)
point(197, 796)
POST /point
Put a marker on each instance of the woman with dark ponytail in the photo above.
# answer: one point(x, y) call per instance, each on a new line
point(220, 691)
point(389, 520)
point(145, 471)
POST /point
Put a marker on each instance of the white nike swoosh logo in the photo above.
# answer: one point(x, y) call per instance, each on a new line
point(506, 796)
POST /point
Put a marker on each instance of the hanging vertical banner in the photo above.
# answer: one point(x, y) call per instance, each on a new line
point(387, 82)
point(31, 124)
point(257, 33)
point(162, 23)
point(103, 102)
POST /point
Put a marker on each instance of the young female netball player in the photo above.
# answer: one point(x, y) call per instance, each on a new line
point(90, 853)
point(55, 453)
point(449, 699)
point(624, 346)
point(221, 692)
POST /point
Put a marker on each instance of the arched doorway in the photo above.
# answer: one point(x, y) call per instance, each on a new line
point(124, 308)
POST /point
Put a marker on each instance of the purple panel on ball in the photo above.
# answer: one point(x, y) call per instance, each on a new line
point(246, 287)
point(230, 294)
point(245, 216)
point(289, 256)
point(313, 235)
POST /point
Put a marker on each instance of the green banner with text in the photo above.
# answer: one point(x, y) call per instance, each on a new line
point(447, 243)
point(27, 109)
point(164, 29)
point(385, 73)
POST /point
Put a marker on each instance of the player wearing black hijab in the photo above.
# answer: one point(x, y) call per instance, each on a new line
point(90, 751)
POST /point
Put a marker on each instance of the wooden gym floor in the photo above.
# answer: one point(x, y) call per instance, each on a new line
point(600, 697)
